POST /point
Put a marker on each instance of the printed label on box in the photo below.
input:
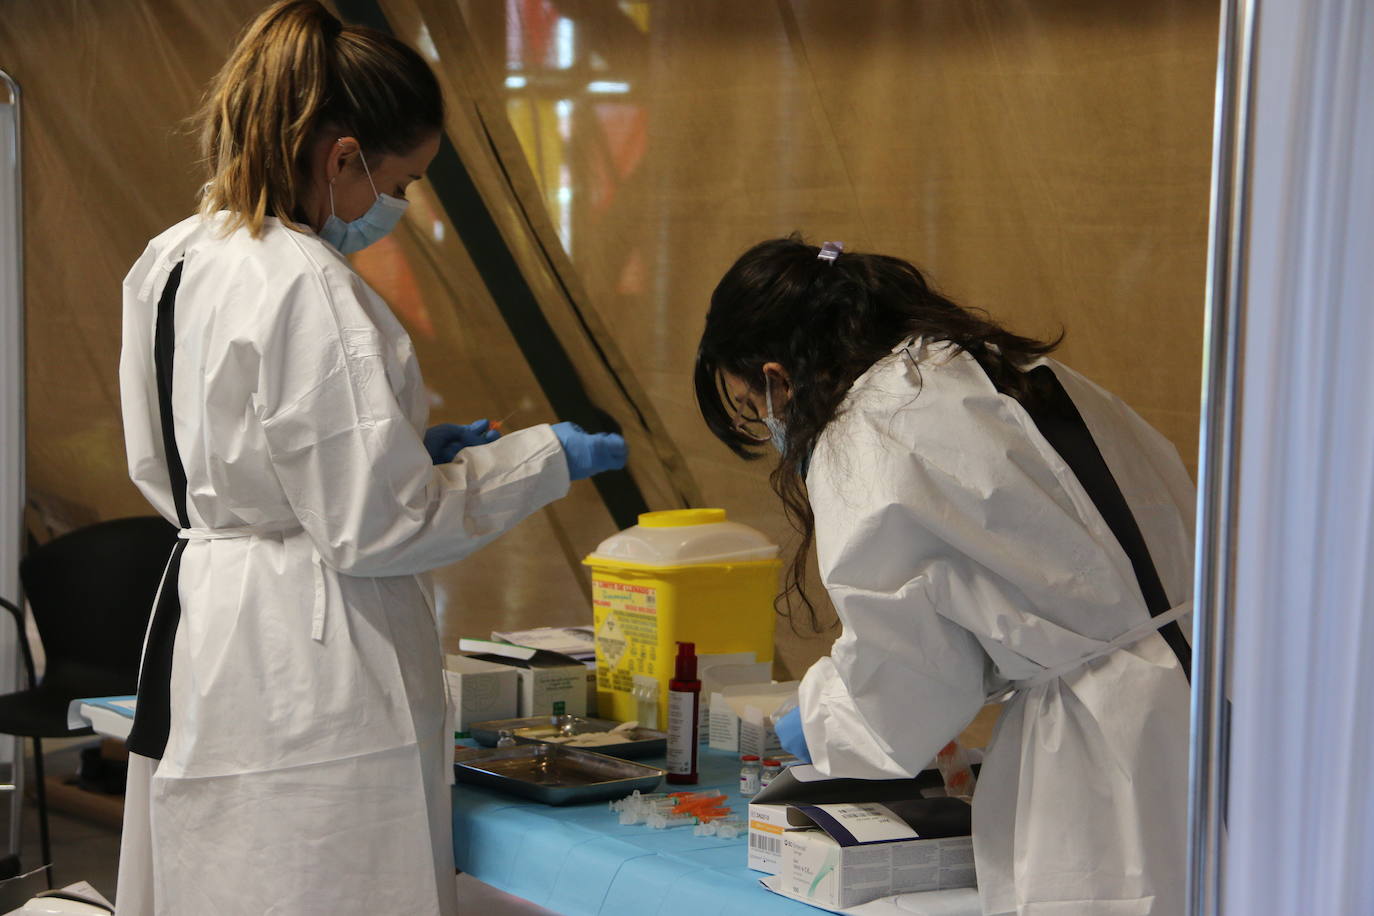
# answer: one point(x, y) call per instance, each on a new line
point(767, 825)
point(853, 824)
point(766, 838)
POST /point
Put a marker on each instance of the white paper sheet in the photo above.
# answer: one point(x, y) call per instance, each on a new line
point(962, 902)
point(578, 642)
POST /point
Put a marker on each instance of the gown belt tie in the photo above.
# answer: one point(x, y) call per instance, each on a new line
point(252, 531)
point(1130, 637)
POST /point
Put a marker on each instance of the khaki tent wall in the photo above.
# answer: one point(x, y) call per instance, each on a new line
point(1047, 161)
point(1044, 159)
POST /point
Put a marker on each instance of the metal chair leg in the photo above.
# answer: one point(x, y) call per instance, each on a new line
point(10, 865)
point(42, 808)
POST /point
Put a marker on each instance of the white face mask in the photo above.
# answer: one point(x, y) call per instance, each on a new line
point(775, 427)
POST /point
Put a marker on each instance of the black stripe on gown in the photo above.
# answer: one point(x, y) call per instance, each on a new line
point(1058, 419)
point(153, 713)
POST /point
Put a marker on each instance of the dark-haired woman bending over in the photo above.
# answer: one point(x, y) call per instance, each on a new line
point(989, 524)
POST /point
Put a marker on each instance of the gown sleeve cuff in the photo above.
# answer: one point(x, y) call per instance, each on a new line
point(839, 740)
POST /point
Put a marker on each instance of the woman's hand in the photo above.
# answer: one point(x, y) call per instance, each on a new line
point(791, 736)
point(590, 453)
point(445, 441)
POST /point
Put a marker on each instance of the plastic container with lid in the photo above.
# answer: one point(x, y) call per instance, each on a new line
point(689, 575)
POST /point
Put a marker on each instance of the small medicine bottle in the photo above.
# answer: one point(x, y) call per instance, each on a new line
point(771, 769)
point(750, 776)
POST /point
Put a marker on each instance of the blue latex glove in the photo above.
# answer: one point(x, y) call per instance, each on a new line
point(445, 441)
point(590, 453)
point(791, 736)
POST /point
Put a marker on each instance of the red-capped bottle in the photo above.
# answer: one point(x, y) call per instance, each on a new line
point(684, 702)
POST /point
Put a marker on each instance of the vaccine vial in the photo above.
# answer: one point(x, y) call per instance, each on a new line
point(750, 776)
point(771, 769)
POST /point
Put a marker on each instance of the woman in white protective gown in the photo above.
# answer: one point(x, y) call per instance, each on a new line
point(290, 751)
point(989, 524)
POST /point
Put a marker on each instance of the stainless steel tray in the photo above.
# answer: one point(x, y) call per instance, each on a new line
point(645, 742)
point(553, 774)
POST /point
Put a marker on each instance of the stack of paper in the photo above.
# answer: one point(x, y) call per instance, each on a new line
point(576, 642)
point(112, 717)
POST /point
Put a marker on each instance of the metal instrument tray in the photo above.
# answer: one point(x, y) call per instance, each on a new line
point(553, 774)
point(644, 742)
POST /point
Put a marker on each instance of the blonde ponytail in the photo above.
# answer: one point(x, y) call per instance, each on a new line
point(298, 70)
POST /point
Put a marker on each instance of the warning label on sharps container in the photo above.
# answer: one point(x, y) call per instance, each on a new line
point(626, 633)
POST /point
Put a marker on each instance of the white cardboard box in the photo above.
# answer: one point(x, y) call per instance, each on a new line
point(722, 725)
point(859, 852)
point(728, 707)
point(479, 691)
point(778, 811)
point(548, 683)
point(757, 735)
point(721, 670)
point(767, 825)
point(960, 902)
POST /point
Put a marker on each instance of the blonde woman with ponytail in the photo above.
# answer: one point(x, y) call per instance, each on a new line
point(289, 751)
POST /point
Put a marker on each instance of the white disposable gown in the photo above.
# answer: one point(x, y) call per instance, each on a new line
point(308, 763)
point(962, 555)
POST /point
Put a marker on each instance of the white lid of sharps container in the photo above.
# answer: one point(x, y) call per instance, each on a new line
point(686, 537)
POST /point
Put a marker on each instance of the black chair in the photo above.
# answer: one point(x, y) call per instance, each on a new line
point(91, 592)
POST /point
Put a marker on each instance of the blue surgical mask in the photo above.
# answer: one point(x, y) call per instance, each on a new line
point(775, 427)
point(371, 227)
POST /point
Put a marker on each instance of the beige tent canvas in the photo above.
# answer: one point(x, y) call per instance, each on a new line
point(1044, 159)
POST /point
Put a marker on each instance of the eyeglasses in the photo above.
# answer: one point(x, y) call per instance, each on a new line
point(746, 420)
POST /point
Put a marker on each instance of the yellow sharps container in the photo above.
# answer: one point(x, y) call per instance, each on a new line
point(690, 575)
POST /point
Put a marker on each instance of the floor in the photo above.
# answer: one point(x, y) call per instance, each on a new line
point(81, 850)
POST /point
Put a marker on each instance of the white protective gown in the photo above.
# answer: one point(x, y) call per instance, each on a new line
point(308, 763)
point(962, 554)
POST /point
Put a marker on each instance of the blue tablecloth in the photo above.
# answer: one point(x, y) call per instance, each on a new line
point(579, 860)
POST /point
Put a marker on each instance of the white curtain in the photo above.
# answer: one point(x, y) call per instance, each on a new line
point(1301, 812)
point(11, 382)
point(12, 490)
